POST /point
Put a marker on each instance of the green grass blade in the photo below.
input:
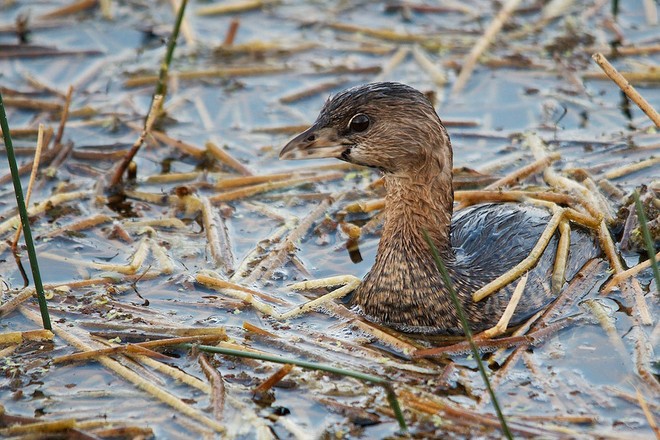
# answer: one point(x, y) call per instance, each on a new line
point(648, 241)
point(22, 210)
point(468, 333)
point(385, 383)
point(161, 86)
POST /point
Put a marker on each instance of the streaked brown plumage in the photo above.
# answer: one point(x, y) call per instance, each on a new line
point(394, 128)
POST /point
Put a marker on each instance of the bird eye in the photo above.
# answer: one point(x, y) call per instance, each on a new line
point(359, 123)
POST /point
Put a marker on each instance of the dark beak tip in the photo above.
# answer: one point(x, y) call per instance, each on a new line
point(286, 152)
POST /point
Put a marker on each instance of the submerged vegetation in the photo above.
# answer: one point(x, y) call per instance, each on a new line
point(173, 252)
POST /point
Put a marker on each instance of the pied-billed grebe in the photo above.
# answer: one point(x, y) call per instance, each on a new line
point(394, 128)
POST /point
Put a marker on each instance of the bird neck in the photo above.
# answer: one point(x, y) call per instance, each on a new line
point(404, 288)
point(416, 202)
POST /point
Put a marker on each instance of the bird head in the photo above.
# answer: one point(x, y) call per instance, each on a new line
point(389, 126)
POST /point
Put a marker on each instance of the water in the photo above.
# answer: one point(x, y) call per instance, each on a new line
point(575, 371)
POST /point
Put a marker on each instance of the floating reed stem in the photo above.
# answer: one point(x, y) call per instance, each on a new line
point(309, 92)
point(33, 175)
point(232, 7)
point(627, 88)
point(471, 60)
point(70, 9)
point(149, 121)
point(217, 386)
point(127, 348)
point(249, 191)
point(227, 158)
point(616, 279)
point(223, 72)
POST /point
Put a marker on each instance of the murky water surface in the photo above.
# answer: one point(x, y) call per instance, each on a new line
point(538, 77)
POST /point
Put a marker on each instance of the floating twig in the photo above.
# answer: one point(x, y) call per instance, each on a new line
point(119, 171)
point(217, 386)
point(231, 32)
point(619, 277)
point(30, 335)
point(226, 158)
point(33, 175)
point(70, 9)
point(224, 72)
point(64, 117)
point(33, 104)
point(436, 75)
point(127, 348)
point(383, 34)
point(627, 88)
point(249, 191)
point(309, 92)
point(471, 59)
point(233, 7)
point(273, 380)
point(631, 168)
point(217, 237)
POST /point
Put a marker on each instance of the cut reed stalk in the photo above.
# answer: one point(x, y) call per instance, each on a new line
point(226, 158)
point(309, 92)
point(63, 117)
point(627, 88)
point(273, 379)
point(471, 60)
point(93, 354)
point(70, 9)
point(222, 72)
point(249, 191)
point(217, 386)
point(33, 175)
point(616, 279)
point(232, 7)
point(148, 123)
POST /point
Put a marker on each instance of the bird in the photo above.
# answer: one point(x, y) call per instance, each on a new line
point(395, 129)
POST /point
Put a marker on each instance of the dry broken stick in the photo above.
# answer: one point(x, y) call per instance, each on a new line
point(123, 165)
point(627, 88)
point(33, 175)
point(224, 72)
point(217, 236)
point(43, 206)
point(128, 348)
point(217, 386)
point(619, 277)
point(485, 41)
point(64, 117)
